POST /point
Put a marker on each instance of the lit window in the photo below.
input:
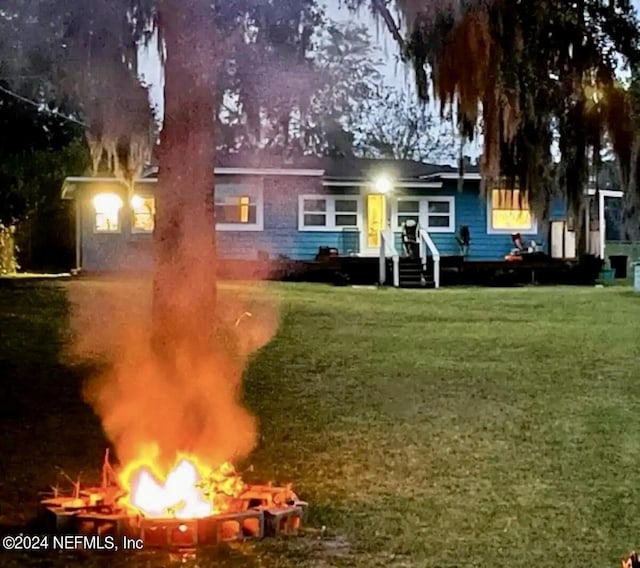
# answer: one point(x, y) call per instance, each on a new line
point(238, 206)
point(143, 210)
point(328, 213)
point(107, 207)
point(510, 210)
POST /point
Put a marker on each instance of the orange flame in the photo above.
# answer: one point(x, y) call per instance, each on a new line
point(190, 490)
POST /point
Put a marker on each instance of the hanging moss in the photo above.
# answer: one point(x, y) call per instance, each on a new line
point(526, 70)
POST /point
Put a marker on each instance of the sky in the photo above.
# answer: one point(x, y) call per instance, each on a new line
point(394, 73)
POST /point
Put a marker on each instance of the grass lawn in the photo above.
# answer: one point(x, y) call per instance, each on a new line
point(458, 427)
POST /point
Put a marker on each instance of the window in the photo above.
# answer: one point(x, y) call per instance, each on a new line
point(510, 211)
point(408, 211)
point(328, 213)
point(107, 208)
point(238, 207)
point(143, 210)
point(435, 214)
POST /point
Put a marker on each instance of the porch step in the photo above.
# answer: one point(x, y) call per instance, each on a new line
point(412, 274)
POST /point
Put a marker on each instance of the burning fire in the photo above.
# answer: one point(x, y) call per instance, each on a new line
point(190, 490)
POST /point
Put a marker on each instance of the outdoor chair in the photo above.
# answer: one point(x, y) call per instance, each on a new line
point(463, 239)
point(522, 248)
point(410, 238)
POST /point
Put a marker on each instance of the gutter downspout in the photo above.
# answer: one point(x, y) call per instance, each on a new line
point(78, 236)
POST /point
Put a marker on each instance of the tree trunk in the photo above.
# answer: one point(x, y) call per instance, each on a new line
point(184, 292)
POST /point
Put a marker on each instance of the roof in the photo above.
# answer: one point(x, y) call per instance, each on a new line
point(342, 169)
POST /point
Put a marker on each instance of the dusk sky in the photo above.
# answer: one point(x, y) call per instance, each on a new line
point(394, 73)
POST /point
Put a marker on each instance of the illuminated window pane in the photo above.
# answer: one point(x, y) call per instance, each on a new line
point(107, 212)
point(510, 210)
point(510, 219)
point(143, 209)
point(244, 209)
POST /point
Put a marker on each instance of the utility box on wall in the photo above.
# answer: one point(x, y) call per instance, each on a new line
point(636, 277)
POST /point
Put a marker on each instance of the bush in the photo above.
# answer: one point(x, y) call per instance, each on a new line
point(8, 262)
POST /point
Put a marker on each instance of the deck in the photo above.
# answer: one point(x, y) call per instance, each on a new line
point(455, 271)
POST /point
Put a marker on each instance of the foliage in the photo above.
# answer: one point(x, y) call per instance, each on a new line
point(395, 125)
point(304, 108)
point(37, 150)
point(89, 56)
point(525, 67)
point(8, 261)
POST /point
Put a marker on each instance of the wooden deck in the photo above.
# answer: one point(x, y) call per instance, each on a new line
point(454, 271)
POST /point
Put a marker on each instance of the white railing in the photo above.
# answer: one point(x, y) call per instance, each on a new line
point(388, 249)
point(427, 243)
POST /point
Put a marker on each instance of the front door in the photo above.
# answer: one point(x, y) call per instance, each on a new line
point(375, 219)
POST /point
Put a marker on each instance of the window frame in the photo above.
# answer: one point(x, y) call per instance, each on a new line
point(423, 212)
point(533, 230)
point(330, 212)
point(94, 215)
point(259, 203)
point(135, 231)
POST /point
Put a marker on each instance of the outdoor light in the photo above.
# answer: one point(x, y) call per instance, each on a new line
point(383, 184)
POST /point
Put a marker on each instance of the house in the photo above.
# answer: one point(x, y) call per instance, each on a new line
point(284, 210)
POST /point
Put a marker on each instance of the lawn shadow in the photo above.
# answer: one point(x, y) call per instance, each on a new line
point(45, 426)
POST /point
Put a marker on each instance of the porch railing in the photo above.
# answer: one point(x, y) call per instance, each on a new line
point(388, 250)
point(427, 244)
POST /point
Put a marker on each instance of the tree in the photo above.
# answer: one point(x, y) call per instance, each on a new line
point(91, 57)
point(36, 149)
point(525, 67)
point(308, 104)
point(395, 125)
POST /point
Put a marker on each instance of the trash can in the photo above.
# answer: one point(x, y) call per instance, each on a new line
point(636, 276)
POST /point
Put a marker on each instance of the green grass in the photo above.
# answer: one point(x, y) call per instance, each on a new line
point(476, 427)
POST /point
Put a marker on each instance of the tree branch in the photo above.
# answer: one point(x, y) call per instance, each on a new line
point(380, 7)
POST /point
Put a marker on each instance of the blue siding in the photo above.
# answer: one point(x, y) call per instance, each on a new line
point(471, 210)
point(281, 238)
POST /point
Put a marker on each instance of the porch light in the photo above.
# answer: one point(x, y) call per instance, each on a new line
point(383, 184)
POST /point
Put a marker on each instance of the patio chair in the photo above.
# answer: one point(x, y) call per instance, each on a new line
point(463, 239)
point(410, 238)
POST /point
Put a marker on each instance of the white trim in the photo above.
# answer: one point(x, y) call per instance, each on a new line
point(269, 172)
point(369, 187)
point(450, 175)
point(330, 212)
point(300, 172)
point(491, 231)
point(256, 227)
point(611, 193)
point(601, 223)
point(423, 212)
point(67, 192)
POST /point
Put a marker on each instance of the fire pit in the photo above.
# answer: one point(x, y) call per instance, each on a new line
point(189, 509)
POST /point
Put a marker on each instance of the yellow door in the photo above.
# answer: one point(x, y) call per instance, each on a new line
point(376, 221)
